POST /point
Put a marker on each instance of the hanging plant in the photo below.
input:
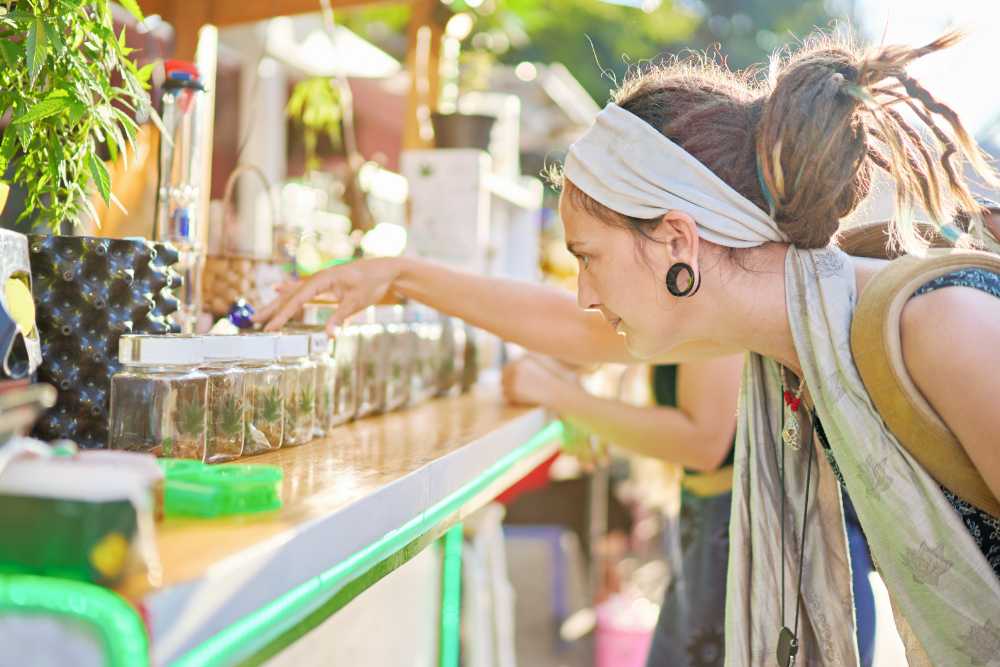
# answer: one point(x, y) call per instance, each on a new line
point(315, 106)
point(58, 65)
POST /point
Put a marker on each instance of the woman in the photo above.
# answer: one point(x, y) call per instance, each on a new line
point(702, 208)
point(692, 425)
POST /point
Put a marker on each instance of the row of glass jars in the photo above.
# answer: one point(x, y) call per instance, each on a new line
point(216, 398)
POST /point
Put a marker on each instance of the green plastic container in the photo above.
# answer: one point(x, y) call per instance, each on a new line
point(193, 489)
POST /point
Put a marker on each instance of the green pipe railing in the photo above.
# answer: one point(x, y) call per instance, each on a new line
point(451, 597)
point(113, 620)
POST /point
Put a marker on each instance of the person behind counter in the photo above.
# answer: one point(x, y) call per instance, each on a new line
point(692, 425)
point(702, 207)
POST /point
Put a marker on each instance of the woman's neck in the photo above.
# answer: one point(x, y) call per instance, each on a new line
point(745, 304)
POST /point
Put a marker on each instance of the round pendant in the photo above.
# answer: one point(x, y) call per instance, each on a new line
point(788, 647)
point(790, 435)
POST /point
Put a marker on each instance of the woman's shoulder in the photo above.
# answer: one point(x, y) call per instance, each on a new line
point(948, 340)
point(964, 312)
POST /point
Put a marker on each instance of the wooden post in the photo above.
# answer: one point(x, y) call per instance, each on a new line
point(187, 18)
point(422, 62)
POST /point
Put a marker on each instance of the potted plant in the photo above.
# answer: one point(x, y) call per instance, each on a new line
point(72, 94)
point(314, 105)
point(69, 85)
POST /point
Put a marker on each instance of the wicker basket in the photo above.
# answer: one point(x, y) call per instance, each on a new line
point(230, 276)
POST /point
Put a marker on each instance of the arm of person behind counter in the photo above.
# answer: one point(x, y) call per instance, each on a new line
point(697, 434)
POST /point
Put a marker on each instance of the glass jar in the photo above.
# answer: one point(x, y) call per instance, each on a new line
point(470, 358)
point(227, 393)
point(265, 400)
point(452, 356)
point(425, 324)
point(320, 352)
point(372, 353)
point(298, 387)
point(399, 352)
point(345, 382)
point(159, 398)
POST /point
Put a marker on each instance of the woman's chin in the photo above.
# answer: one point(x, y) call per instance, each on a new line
point(635, 346)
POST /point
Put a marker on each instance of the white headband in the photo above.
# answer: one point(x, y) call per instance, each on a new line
point(628, 166)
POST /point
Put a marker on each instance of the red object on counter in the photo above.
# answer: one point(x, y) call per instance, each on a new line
point(536, 479)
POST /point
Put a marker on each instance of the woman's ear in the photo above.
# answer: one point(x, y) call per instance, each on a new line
point(679, 232)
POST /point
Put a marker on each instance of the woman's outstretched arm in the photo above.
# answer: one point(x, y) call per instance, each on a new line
point(540, 318)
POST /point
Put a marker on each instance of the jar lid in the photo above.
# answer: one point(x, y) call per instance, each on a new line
point(319, 344)
point(256, 347)
point(387, 314)
point(220, 347)
point(288, 346)
point(153, 350)
point(318, 313)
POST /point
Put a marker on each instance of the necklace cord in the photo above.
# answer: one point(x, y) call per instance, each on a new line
point(805, 518)
point(782, 559)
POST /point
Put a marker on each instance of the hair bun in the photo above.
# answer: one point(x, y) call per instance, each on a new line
point(811, 146)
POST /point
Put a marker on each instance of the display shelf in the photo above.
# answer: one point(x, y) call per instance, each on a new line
point(376, 491)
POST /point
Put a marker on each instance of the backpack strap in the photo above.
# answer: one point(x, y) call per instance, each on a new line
point(877, 351)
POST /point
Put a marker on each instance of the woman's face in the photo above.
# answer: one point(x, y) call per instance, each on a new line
point(619, 277)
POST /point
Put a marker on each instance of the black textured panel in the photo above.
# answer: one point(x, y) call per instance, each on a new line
point(89, 291)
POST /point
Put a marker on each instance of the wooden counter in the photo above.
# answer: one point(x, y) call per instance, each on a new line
point(340, 495)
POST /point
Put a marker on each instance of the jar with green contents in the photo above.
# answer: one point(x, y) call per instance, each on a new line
point(425, 324)
point(298, 387)
point(452, 356)
point(372, 355)
point(470, 358)
point(399, 353)
point(226, 399)
point(321, 353)
point(345, 382)
point(159, 398)
point(265, 400)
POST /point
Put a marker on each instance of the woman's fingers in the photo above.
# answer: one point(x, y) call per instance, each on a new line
point(345, 308)
point(283, 289)
point(291, 304)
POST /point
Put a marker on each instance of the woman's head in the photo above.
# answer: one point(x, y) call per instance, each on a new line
point(801, 146)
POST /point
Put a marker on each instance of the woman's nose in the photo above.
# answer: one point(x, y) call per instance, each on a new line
point(586, 297)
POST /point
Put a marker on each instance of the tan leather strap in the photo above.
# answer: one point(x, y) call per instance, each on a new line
point(877, 350)
point(709, 484)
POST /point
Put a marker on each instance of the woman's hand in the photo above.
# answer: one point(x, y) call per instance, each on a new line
point(533, 380)
point(353, 286)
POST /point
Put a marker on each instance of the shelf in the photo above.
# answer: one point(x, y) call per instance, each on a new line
point(524, 193)
point(373, 487)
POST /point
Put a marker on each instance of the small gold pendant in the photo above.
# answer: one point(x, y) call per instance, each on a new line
point(790, 434)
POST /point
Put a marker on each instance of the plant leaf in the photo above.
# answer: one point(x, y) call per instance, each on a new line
point(118, 204)
point(76, 112)
point(144, 73)
point(10, 52)
point(88, 208)
point(56, 43)
point(36, 45)
point(8, 145)
point(23, 135)
point(133, 8)
point(101, 178)
point(50, 106)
